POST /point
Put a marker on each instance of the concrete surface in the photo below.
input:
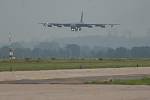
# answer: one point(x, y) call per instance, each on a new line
point(52, 74)
point(73, 92)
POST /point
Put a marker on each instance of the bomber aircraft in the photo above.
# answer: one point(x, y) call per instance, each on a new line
point(77, 26)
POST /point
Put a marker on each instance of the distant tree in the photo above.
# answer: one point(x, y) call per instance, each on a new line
point(121, 52)
point(73, 50)
point(85, 51)
point(36, 53)
point(4, 52)
point(23, 52)
point(110, 53)
point(140, 52)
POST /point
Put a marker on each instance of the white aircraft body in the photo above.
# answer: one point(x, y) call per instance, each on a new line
point(76, 26)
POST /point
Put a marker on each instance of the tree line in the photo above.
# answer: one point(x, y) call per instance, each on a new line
point(76, 51)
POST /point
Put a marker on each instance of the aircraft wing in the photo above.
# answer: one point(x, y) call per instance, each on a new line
point(97, 25)
point(56, 24)
point(76, 25)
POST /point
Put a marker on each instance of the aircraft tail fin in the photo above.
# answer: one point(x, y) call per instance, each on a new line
point(81, 17)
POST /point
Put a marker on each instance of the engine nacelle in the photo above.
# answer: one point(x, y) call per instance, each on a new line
point(59, 26)
point(49, 25)
point(90, 26)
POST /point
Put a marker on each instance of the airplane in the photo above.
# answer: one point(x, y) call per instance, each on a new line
point(77, 26)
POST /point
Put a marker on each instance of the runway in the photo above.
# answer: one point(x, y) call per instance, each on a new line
point(55, 85)
point(73, 92)
point(74, 73)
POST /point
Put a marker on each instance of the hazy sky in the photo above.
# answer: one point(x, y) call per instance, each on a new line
point(21, 17)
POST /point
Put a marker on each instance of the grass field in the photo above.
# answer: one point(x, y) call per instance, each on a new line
point(143, 81)
point(53, 64)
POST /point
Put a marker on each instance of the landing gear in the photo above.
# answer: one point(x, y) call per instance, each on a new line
point(75, 28)
point(79, 28)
